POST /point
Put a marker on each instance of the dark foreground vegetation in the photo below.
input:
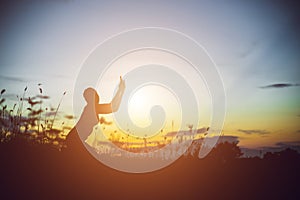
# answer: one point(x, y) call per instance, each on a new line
point(34, 164)
point(39, 171)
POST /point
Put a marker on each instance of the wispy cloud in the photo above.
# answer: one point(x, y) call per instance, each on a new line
point(254, 131)
point(279, 146)
point(288, 144)
point(15, 79)
point(10, 96)
point(57, 76)
point(279, 85)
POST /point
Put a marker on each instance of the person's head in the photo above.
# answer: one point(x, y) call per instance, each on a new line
point(91, 96)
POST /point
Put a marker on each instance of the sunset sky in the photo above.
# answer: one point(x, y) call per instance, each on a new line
point(254, 44)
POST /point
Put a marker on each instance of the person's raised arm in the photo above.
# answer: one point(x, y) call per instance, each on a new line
point(115, 103)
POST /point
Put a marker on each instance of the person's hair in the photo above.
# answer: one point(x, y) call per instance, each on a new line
point(91, 96)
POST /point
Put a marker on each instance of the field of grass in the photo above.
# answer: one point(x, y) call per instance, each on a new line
point(29, 118)
point(32, 169)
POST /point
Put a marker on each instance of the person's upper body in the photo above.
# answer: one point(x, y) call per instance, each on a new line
point(89, 117)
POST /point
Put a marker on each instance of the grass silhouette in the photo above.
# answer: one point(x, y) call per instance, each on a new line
point(30, 120)
point(31, 169)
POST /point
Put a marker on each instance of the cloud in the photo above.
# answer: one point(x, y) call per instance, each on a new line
point(15, 79)
point(57, 76)
point(254, 45)
point(288, 144)
point(279, 85)
point(292, 145)
point(279, 146)
point(255, 131)
point(10, 96)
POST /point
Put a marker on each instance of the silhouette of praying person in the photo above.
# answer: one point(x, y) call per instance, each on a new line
point(89, 117)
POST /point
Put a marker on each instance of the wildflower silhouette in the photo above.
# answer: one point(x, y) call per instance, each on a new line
point(28, 120)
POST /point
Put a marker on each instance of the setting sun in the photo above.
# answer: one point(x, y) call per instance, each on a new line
point(144, 98)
